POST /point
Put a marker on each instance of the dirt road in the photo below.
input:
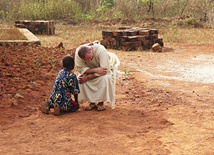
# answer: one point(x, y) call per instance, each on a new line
point(164, 105)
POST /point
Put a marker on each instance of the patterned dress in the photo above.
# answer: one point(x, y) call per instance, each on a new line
point(66, 85)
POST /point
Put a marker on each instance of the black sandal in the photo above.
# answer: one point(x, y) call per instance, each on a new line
point(100, 107)
point(90, 107)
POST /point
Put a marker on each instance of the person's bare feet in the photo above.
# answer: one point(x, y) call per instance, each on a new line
point(56, 109)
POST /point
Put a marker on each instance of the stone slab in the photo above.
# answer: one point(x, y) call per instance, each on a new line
point(31, 39)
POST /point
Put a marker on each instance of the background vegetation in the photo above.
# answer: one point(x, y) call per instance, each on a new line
point(85, 10)
point(173, 18)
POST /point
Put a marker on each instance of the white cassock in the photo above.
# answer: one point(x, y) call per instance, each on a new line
point(99, 89)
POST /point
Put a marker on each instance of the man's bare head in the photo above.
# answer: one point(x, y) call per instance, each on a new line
point(85, 53)
point(83, 50)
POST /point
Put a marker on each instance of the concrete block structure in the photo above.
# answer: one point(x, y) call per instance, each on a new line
point(31, 40)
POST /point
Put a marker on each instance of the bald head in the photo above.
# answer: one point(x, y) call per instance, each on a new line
point(83, 50)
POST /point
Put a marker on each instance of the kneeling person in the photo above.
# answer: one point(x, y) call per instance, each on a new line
point(66, 85)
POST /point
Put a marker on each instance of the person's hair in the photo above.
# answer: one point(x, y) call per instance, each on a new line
point(83, 50)
point(68, 62)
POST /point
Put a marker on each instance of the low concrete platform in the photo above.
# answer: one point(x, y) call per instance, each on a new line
point(31, 39)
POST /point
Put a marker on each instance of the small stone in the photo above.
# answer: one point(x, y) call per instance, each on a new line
point(157, 48)
point(18, 96)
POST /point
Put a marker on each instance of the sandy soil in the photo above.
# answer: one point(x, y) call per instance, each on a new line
point(164, 105)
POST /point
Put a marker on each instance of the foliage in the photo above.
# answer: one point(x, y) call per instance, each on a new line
point(100, 9)
point(189, 22)
point(84, 17)
point(105, 5)
point(50, 9)
point(126, 72)
point(118, 14)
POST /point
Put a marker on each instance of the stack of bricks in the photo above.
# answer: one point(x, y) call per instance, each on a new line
point(40, 27)
point(129, 39)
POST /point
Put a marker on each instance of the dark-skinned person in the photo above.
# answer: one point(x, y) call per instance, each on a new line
point(64, 94)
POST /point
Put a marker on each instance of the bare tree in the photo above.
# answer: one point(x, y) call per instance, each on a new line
point(151, 8)
point(183, 9)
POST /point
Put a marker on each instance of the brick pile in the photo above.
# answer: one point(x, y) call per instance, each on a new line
point(41, 27)
point(128, 38)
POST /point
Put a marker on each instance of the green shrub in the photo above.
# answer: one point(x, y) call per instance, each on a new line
point(48, 10)
point(190, 22)
point(106, 9)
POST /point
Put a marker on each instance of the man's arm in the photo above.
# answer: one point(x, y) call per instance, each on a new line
point(86, 77)
point(99, 71)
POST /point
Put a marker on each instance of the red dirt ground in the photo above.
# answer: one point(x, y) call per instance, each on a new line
point(158, 110)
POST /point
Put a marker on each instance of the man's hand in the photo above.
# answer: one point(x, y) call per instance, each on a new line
point(83, 78)
point(101, 71)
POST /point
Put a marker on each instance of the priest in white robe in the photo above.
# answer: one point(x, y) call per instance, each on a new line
point(95, 79)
